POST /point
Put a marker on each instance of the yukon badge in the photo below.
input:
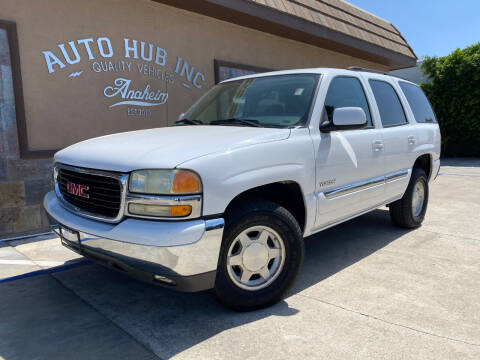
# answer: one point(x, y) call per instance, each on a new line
point(327, 182)
point(78, 190)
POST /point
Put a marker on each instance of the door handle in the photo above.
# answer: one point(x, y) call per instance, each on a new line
point(411, 140)
point(377, 145)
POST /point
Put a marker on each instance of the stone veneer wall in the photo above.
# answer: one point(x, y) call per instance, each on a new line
point(23, 183)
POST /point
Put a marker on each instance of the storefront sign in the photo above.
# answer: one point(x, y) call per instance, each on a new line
point(144, 97)
point(135, 58)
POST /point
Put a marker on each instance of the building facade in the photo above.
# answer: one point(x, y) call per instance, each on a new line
point(72, 70)
point(414, 74)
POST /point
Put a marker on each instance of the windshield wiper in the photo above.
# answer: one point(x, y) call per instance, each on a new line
point(189, 122)
point(236, 120)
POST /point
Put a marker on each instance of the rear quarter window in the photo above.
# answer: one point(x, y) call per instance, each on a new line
point(421, 108)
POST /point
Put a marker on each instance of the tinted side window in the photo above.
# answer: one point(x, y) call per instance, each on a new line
point(389, 106)
point(418, 103)
point(346, 91)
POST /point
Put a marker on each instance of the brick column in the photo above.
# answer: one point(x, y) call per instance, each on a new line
point(22, 182)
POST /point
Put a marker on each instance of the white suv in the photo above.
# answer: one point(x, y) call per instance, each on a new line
point(224, 199)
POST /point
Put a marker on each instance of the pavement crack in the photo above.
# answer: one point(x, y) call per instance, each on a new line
point(388, 322)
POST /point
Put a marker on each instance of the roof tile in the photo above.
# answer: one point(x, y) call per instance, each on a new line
point(338, 15)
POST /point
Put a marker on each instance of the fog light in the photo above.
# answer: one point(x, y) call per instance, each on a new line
point(149, 210)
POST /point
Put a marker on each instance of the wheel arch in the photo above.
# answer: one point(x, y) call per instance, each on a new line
point(425, 162)
point(288, 194)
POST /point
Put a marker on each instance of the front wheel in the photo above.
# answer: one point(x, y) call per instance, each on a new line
point(260, 258)
point(409, 211)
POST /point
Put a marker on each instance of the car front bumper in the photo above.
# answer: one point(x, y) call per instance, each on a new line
point(181, 255)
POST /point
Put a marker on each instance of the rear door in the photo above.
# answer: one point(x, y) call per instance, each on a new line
point(399, 134)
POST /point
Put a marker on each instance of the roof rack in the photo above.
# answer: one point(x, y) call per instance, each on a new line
point(357, 68)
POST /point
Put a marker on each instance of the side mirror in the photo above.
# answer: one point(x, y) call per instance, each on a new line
point(181, 116)
point(346, 118)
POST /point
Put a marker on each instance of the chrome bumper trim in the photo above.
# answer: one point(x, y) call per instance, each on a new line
point(182, 260)
point(174, 248)
point(214, 224)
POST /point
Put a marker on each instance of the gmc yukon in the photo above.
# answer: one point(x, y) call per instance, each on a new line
point(224, 198)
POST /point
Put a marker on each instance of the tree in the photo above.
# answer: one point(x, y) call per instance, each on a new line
point(454, 91)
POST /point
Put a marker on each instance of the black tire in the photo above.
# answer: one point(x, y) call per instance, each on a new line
point(401, 211)
point(260, 213)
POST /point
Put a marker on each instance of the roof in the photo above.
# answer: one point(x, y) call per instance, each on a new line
point(332, 24)
point(346, 18)
point(321, 71)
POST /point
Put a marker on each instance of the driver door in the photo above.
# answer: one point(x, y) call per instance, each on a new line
point(349, 163)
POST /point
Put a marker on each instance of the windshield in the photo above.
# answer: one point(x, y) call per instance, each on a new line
point(270, 101)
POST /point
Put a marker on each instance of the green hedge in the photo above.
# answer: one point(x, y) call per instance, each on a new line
point(454, 91)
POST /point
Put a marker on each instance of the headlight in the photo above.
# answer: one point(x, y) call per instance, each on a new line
point(155, 189)
point(164, 182)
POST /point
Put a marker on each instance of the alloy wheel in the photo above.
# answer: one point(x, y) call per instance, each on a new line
point(255, 258)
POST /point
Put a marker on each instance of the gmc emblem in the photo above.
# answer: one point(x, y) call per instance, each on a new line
point(77, 189)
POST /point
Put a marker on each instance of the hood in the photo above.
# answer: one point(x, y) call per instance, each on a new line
point(163, 148)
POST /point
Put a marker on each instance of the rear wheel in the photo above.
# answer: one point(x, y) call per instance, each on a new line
point(409, 211)
point(260, 258)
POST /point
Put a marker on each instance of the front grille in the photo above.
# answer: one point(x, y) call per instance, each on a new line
point(104, 193)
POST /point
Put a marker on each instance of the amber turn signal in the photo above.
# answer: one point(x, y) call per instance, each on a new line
point(185, 183)
point(180, 210)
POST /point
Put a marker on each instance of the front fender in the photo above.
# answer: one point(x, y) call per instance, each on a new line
point(227, 174)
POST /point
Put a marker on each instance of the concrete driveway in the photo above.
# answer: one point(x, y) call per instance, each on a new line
point(368, 290)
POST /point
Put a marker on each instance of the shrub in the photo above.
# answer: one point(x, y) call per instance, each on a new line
point(454, 91)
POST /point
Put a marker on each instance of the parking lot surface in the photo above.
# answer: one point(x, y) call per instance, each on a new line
point(368, 290)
